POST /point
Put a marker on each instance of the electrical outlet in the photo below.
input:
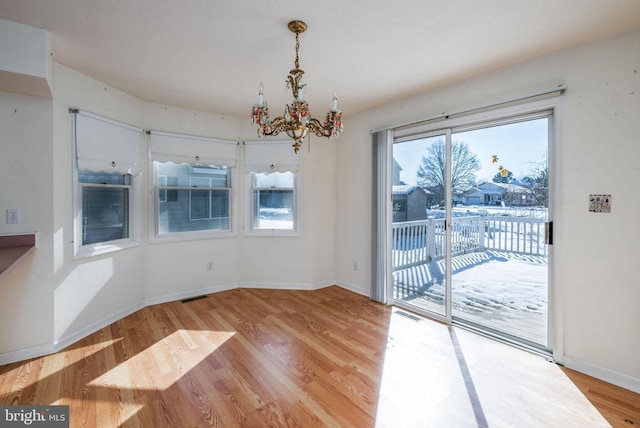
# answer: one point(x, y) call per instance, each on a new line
point(355, 265)
point(209, 265)
point(13, 216)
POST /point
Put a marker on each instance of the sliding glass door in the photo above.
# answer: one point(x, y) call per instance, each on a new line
point(420, 242)
point(470, 205)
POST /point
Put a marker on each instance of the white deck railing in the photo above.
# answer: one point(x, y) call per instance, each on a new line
point(416, 242)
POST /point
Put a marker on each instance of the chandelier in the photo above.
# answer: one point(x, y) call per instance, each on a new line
point(297, 120)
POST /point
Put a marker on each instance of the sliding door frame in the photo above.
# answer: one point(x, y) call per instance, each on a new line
point(478, 118)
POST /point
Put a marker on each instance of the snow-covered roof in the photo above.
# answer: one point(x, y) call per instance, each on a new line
point(512, 187)
point(405, 189)
point(497, 188)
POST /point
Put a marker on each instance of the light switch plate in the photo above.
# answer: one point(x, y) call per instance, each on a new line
point(600, 203)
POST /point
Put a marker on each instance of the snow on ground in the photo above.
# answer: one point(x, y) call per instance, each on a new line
point(503, 290)
point(482, 279)
point(491, 210)
point(502, 282)
point(276, 218)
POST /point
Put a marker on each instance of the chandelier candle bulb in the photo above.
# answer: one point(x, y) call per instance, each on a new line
point(260, 96)
point(334, 103)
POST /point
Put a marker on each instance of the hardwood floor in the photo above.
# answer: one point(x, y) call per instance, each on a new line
point(306, 358)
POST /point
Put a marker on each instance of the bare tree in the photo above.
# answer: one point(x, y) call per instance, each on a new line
point(432, 174)
point(538, 184)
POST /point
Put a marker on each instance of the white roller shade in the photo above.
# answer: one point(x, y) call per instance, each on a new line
point(106, 145)
point(270, 156)
point(179, 148)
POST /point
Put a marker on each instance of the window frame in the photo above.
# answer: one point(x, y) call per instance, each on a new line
point(250, 220)
point(86, 250)
point(548, 103)
point(160, 179)
point(154, 207)
point(81, 250)
point(192, 150)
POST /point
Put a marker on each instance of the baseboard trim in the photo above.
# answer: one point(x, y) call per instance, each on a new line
point(353, 288)
point(323, 284)
point(26, 354)
point(615, 378)
point(65, 341)
point(172, 297)
point(276, 285)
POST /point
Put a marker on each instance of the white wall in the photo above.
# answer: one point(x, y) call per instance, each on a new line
point(90, 290)
point(600, 154)
point(52, 300)
point(174, 269)
point(306, 261)
point(26, 293)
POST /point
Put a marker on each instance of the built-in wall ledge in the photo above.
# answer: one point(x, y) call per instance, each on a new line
point(15, 248)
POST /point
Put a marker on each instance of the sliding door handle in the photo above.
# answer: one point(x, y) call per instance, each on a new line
point(548, 233)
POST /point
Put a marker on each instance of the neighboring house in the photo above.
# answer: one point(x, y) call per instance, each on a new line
point(409, 203)
point(497, 194)
point(192, 197)
point(484, 194)
point(397, 169)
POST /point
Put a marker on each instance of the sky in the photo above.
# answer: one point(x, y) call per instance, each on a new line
point(519, 148)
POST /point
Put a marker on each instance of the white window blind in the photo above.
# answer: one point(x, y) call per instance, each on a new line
point(270, 156)
point(382, 278)
point(179, 148)
point(106, 145)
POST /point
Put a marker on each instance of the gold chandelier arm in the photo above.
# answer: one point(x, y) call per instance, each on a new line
point(317, 128)
point(278, 125)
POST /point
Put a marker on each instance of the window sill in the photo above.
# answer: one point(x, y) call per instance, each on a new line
point(273, 233)
point(104, 248)
point(191, 236)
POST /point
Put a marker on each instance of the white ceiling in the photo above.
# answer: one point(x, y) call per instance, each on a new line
point(211, 55)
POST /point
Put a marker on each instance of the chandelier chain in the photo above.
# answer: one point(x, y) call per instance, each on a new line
point(297, 48)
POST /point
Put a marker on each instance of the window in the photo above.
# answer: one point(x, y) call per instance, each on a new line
point(162, 184)
point(192, 179)
point(107, 162)
point(272, 188)
point(105, 206)
point(192, 197)
point(273, 199)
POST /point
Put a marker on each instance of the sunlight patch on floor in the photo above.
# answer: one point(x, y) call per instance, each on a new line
point(440, 376)
point(168, 369)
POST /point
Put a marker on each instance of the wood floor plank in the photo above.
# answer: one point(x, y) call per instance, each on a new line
point(319, 358)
